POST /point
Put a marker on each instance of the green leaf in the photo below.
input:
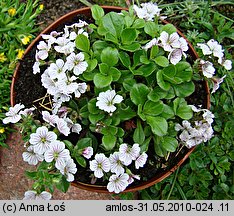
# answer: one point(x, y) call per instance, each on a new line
point(94, 118)
point(136, 57)
point(153, 108)
point(69, 145)
point(92, 63)
point(125, 113)
point(101, 80)
point(130, 47)
point(109, 141)
point(156, 94)
point(138, 23)
point(169, 143)
point(154, 51)
point(167, 112)
point(158, 125)
point(157, 148)
point(151, 29)
point(184, 71)
point(181, 109)
point(162, 61)
point(104, 68)
point(138, 135)
point(163, 85)
point(169, 28)
point(146, 69)
point(138, 93)
point(109, 130)
point(145, 145)
point(113, 23)
point(97, 12)
point(184, 89)
point(83, 143)
point(128, 35)
point(115, 73)
point(63, 184)
point(82, 43)
point(92, 108)
point(128, 83)
point(125, 59)
point(110, 56)
point(80, 160)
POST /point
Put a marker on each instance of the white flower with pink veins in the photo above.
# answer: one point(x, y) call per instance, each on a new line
point(106, 100)
point(42, 139)
point(58, 153)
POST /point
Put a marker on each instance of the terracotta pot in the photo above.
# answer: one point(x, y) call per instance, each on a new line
point(87, 12)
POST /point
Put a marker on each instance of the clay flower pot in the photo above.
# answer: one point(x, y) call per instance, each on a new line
point(180, 159)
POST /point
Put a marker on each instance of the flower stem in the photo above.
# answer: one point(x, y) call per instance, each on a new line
point(173, 183)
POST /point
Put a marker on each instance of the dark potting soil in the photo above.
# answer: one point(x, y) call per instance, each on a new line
point(28, 88)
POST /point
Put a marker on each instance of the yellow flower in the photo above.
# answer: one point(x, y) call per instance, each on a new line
point(2, 130)
point(2, 57)
point(41, 6)
point(12, 11)
point(25, 40)
point(20, 53)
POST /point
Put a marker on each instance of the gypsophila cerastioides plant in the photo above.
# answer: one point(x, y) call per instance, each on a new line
point(119, 85)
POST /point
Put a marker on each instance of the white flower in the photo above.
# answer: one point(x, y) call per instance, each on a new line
point(48, 83)
point(216, 48)
point(82, 87)
point(106, 101)
point(169, 42)
point(147, 11)
point(51, 38)
point(175, 56)
point(36, 67)
point(64, 45)
point(57, 70)
point(63, 127)
point(150, 44)
point(99, 165)
point(116, 164)
point(76, 128)
point(212, 47)
point(208, 116)
point(87, 152)
point(27, 111)
point(43, 48)
point(76, 63)
point(226, 63)
point(132, 177)
point(33, 195)
point(31, 157)
point(127, 153)
point(51, 119)
point(217, 82)
point(58, 153)
point(42, 139)
point(141, 160)
point(118, 183)
point(208, 69)
point(13, 116)
point(68, 168)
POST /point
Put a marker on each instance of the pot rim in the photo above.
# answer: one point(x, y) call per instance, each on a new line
point(99, 188)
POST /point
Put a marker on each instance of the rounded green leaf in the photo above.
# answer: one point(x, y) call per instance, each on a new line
point(153, 108)
point(128, 35)
point(101, 80)
point(138, 93)
point(169, 143)
point(110, 56)
point(158, 125)
point(109, 141)
point(161, 61)
point(82, 43)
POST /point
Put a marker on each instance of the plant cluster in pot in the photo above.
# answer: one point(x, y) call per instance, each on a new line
point(110, 102)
